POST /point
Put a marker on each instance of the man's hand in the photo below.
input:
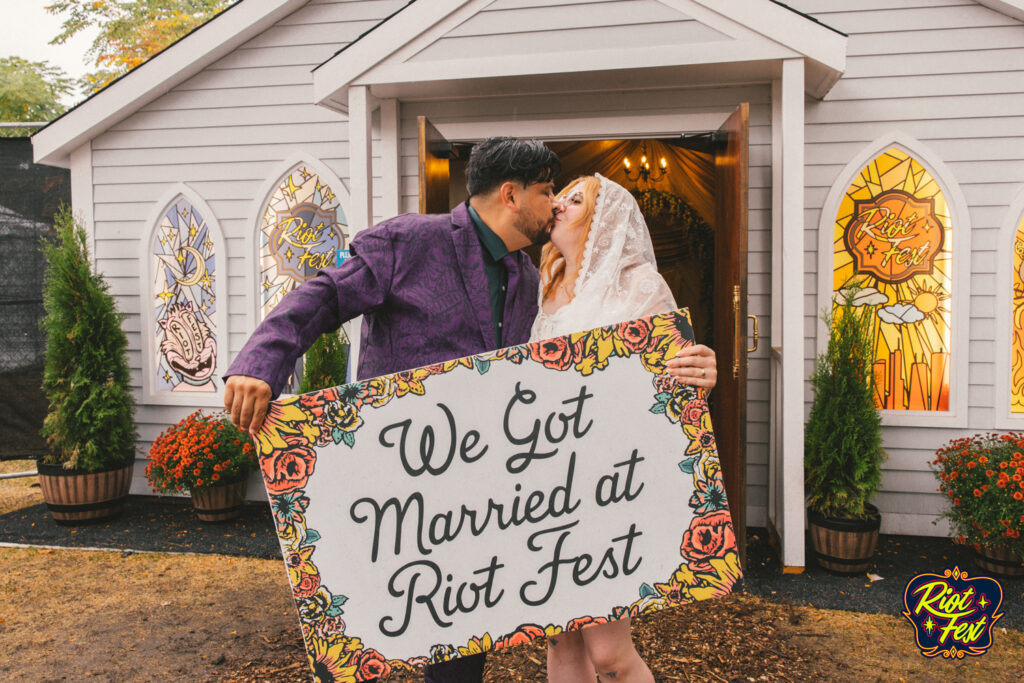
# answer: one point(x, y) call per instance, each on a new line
point(694, 365)
point(246, 398)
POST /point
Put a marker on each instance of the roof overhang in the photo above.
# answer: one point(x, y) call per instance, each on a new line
point(53, 144)
point(744, 41)
point(1011, 8)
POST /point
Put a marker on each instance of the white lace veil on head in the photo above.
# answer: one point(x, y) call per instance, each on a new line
point(618, 277)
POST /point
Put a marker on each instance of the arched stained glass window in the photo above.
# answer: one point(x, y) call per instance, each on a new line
point(184, 303)
point(302, 229)
point(893, 238)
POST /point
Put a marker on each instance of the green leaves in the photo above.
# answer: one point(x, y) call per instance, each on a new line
point(843, 437)
point(325, 364)
point(30, 91)
point(90, 423)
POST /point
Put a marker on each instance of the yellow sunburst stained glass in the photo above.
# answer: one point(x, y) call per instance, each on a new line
point(1017, 374)
point(893, 239)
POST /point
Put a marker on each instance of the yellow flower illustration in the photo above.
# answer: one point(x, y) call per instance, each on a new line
point(477, 645)
point(330, 659)
point(411, 382)
point(452, 364)
point(701, 436)
point(727, 573)
point(283, 418)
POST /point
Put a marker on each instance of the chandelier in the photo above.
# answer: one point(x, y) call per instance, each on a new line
point(643, 171)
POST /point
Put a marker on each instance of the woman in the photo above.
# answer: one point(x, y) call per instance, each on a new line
point(599, 269)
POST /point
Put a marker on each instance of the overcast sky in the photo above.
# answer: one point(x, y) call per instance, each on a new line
point(26, 29)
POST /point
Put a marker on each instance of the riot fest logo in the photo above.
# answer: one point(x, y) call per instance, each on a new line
point(953, 614)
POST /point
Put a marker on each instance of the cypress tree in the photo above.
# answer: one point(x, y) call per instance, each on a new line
point(843, 438)
point(90, 424)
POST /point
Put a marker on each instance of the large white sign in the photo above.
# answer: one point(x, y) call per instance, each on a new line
point(490, 500)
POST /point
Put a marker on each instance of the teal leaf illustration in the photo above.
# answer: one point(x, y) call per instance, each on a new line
point(482, 366)
point(658, 408)
point(337, 434)
point(646, 591)
point(688, 465)
point(336, 602)
point(349, 438)
point(312, 536)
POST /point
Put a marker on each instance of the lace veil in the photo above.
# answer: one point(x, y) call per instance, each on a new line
point(618, 278)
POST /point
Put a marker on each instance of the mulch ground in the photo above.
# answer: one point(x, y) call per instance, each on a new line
point(737, 640)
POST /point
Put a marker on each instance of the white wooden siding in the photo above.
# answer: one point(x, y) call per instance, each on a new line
point(950, 75)
point(224, 132)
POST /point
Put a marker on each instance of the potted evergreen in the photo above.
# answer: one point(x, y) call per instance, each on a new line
point(90, 423)
point(325, 364)
point(843, 444)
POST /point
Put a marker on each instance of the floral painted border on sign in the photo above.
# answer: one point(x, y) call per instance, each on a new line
point(295, 427)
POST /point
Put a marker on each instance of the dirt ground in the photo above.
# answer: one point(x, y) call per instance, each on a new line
point(74, 615)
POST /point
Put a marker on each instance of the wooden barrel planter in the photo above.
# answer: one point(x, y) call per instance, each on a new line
point(219, 503)
point(75, 497)
point(844, 546)
point(1000, 562)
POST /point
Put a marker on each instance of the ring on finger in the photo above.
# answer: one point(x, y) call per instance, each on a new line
point(703, 373)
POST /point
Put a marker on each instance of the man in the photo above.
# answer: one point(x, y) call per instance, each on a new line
point(430, 289)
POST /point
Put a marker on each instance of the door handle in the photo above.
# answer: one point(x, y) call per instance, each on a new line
point(753, 348)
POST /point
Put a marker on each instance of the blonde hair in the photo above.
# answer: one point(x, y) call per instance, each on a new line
point(552, 262)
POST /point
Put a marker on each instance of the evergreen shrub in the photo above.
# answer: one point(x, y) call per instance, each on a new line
point(325, 364)
point(843, 438)
point(90, 423)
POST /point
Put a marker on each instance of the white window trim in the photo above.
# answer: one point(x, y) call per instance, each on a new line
point(956, 416)
point(1004, 306)
point(149, 351)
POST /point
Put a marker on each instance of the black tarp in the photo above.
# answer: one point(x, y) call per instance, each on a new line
point(29, 196)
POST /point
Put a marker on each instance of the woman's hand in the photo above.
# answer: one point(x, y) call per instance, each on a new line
point(694, 365)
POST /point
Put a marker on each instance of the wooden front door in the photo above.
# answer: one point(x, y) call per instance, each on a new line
point(433, 169)
point(729, 399)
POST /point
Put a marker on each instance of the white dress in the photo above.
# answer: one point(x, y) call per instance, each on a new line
point(618, 278)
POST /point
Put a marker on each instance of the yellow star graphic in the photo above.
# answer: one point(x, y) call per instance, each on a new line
point(304, 172)
point(167, 376)
point(165, 295)
point(292, 187)
point(208, 244)
point(983, 602)
point(288, 254)
point(206, 281)
point(203, 307)
point(192, 231)
point(266, 285)
point(929, 625)
point(180, 257)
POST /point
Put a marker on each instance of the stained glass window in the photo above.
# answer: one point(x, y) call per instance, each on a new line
point(1017, 383)
point(303, 229)
point(894, 239)
point(184, 304)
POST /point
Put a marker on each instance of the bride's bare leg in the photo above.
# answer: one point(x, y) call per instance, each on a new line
point(610, 650)
point(567, 659)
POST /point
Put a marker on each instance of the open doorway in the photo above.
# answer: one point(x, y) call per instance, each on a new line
point(696, 213)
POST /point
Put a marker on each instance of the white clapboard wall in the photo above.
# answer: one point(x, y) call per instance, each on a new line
point(945, 72)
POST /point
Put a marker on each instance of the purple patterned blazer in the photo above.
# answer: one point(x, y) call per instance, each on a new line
point(420, 284)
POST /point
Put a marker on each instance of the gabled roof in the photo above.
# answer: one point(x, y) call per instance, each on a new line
point(453, 47)
point(175, 64)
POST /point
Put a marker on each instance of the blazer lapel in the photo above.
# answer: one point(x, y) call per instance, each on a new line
point(471, 266)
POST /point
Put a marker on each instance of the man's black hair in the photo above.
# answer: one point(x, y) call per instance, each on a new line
point(500, 159)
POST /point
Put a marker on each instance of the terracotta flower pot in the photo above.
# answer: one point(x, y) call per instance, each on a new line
point(999, 562)
point(844, 546)
point(75, 497)
point(219, 503)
